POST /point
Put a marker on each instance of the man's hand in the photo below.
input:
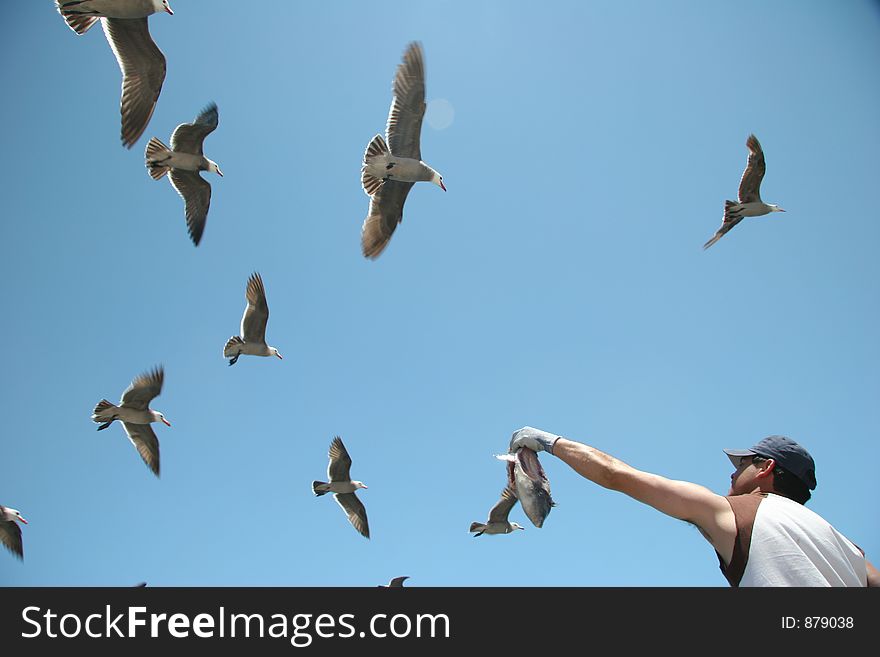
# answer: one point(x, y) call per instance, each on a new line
point(534, 439)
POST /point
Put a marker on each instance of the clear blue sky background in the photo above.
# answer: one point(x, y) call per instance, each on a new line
point(560, 283)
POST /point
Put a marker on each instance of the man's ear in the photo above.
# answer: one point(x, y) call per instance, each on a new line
point(766, 469)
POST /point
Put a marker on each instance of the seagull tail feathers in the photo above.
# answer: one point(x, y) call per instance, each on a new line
point(376, 148)
point(730, 210)
point(477, 527)
point(320, 488)
point(232, 343)
point(156, 154)
point(100, 414)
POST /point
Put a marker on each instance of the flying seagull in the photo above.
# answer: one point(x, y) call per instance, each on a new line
point(498, 523)
point(392, 165)
point(182, 162)
point(134, 413)
point(10, 533)
point(396, 582)
point(750, 203)
point(343, 487)
point(140, 60)
point(252, 340)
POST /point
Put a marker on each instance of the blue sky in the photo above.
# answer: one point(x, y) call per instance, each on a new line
point(560, 283)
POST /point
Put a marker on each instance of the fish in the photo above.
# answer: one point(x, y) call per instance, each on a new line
point(527, 477)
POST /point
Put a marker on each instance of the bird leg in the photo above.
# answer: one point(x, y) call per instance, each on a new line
point(234, 359)
point(105, 425)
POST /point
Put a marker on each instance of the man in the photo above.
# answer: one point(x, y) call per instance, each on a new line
point(762, 532)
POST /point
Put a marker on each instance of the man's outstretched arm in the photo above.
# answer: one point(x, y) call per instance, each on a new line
point(680, 499)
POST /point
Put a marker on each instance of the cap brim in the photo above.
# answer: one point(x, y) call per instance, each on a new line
point(735, 454)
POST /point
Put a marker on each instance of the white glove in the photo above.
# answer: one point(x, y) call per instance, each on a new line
point(534, 439)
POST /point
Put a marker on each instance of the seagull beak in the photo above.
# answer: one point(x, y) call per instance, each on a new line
point(279, 355)
point(219, 173)
point(442, 186)
point(22, 520)
point(166, 422)
point(168, 9)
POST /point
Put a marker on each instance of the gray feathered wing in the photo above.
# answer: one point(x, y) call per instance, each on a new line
point(143, 73)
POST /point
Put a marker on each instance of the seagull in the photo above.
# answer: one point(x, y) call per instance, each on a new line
point(396, 582)
point(392, 165)
point(182, 162)
point(10, 533)
point(343, 487)
point(136, 416)
point(253, 325)
point(140, 60)
point(750, 203)
point(498, 523)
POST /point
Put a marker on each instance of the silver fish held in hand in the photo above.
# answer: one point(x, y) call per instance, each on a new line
point(525, 474)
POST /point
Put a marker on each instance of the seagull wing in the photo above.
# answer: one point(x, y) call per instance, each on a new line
point(354, 509)
point(502, 508)
point(144, 439)
point(143, 72)
point(189, 137)
point(143, 389)
point(726, 225)
point(256, 313)
point(403, 131)
point(340, 462)
point(386, 211)
point(196, 194)
point(10, 536)
point(750, 184)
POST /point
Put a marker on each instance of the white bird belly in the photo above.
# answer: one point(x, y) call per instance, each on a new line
point(754, 209)
point(133, 416)
point(186, 161)
point(255, 349)
point(112, 9)
point(390, 167)
point(342, 487)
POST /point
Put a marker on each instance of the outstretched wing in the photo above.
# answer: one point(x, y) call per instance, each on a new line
point(502, 508)
point(10, 536)
point(354, 509)
point(143, 389)
point(143, 72)
point(750, 183)
point(189, 137)
point(404, 127)
point(256, 313)
point(144, 439)
point(196, 194)
point(386, 211)
point(340, 462)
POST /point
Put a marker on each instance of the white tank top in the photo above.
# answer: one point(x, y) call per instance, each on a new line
point(793, 546)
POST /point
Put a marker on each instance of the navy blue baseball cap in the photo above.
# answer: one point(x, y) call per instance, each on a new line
point(787, 454)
